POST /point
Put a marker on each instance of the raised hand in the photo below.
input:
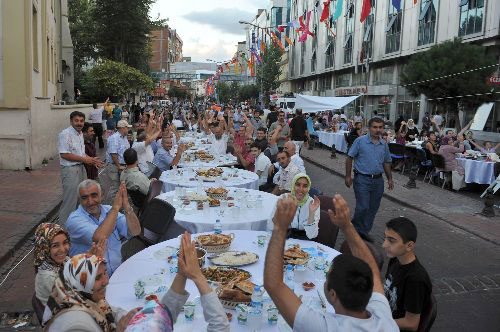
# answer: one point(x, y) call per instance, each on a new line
point(285, 212)
point(123, 323)
point(99, 248)
point(314, 205)
point(342, 215)
point(118, 202)
point(188, 259)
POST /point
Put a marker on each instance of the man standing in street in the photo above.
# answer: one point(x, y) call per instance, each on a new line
point(88, 137)
point(95, 118)
point(299, 132)
point(71, 148)
point(371, 158)
point(117, 144)
point(285, 129)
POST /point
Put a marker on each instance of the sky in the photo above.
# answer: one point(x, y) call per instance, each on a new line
point(208, 29)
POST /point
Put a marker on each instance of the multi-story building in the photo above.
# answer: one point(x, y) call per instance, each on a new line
point(166, 48)
point(367, 58)
point(36, 68)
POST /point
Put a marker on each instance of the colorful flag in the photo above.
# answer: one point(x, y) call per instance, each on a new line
point(288, 40)
point(326, 11)
point(338, 10)
point(281, 28)
point(236, 69)
point(307, 32)
point(397, 4)
point(365, 10)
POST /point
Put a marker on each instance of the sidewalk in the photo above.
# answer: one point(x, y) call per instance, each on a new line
point(451, 207)
point(27, 198)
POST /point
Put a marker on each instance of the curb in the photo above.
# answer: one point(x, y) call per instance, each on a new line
point(50, 215)
point(405, 204)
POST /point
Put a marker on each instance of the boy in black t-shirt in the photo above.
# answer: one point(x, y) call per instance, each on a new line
point(407, 285)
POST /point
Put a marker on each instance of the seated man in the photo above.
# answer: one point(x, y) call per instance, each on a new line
point(92, 222)
point(163, 159)
point(261, 138)
point(353, 285)
point(262, 164)
point(286, 171)
point(134, 179)
point(245, 157)
point(215, 128)
point(407, 284)
point(290, 147)
point(145, 137)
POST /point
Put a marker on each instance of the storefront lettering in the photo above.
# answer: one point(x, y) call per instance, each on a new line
point(350, 91)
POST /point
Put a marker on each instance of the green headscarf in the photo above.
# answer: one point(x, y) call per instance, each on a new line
point(306, 196)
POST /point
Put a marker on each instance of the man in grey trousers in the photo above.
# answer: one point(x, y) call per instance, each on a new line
point(71, 148)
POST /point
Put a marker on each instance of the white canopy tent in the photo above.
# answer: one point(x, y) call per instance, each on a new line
point(312, 104)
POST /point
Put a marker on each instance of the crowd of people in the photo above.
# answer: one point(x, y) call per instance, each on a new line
point(74, 260)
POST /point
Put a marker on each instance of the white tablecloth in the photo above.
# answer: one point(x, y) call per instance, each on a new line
point(257, 218)
point(329, 138)
point(187, 178)
point(478, 171)
point(120, 291)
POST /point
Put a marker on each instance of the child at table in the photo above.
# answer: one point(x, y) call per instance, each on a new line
point(407, 285)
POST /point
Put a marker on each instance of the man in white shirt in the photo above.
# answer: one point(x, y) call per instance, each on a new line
point(116, 146)
point(218, 137)
point(290, 147)
point(262, 164)
point(438, 120)
point(143, 145)
point(283, 178)
point(353, 285)
point(95, 118)
point(71, 147)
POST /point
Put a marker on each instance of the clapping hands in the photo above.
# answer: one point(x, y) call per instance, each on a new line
point(188, 259)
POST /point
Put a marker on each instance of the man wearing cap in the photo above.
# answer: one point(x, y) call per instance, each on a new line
point(116, 146)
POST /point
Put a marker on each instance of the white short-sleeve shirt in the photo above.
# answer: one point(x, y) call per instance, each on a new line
point(70, 141)
point(219, 146)
point(262, 164)
point(144, 155)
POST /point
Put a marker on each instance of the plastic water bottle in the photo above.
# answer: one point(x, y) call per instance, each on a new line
point(218, 227)
point(289, 277)
point(173, 264)
point(257, 298)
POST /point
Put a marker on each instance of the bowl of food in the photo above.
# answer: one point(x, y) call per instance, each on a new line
point(213, 243)
point(217, 193)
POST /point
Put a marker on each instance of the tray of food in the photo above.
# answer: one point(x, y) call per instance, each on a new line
point(212, 202)
point(234, 258)
point(203, 155)
point(210, 173)
point(235, 293)
point(217, 193)
point(224, 275)
point(295, 255)
point(215, 242)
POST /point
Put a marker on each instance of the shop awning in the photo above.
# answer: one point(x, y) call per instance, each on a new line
point(481, 116)
point(311, 104)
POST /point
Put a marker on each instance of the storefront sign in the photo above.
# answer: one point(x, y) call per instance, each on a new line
point(354, 91)
point(494, 80)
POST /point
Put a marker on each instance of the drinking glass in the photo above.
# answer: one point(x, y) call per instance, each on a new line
point(261, 240)
point(189, 311)
point(272, 315)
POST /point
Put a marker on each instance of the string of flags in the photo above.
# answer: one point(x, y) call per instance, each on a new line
point(302, 32)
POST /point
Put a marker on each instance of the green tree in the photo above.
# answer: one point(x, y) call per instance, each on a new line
point(175, 91)
point(248, 92)
point(269, 70)
point(121, 29)
point(224, 92)
point(447, 58)
point(114, 79)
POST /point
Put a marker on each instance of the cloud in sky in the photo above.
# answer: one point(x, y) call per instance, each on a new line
point(208, 29)
point(222, 19)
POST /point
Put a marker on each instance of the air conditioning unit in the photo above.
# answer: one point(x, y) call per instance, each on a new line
point(61, 78)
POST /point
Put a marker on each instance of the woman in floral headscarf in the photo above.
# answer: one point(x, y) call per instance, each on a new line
point(305, 223)
point(51, 251)
point(78, 302)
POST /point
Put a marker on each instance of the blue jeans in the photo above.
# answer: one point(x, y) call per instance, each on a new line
point(368, 194)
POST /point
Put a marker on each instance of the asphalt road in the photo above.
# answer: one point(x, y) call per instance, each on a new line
point(465, 269)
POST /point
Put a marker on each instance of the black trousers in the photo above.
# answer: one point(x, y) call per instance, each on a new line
point(98, 134)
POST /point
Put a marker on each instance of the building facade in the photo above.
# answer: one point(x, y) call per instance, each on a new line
point(166, 47)
point(367, 58)
point(36, 67)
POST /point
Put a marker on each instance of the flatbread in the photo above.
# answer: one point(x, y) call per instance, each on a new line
point(246, 286)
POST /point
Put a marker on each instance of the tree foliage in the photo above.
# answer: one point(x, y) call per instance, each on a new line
point(235, 93)
point(248, 92)
point(121, 29)
point(175, 91)
point(448, 58)
point(114, 79)
point(269, 71)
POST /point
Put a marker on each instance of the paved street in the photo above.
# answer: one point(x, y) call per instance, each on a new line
point(465, 268)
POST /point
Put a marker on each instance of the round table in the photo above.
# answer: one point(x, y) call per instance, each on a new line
point(478, 171)
point(242, 218)
point(150, 263)
point(187, 178)
point(330, 138)
point(218, 161)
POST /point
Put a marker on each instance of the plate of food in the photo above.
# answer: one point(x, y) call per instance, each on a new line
point(219, 193)
point(234, 258)
point(235, 293)
point(210, 173)
point(212, 202)
point(163, 253)
point(295, 255)
point(224, 275)
point(215, 242)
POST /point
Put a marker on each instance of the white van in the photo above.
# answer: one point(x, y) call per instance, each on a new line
point(286, 104)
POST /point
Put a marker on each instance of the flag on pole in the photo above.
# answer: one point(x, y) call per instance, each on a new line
point(338, 10)
point(288, 40)
point(307, 32)
point(326, 11)
point(365, 10)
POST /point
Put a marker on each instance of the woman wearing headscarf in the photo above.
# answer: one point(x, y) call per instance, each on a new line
point(412, 131)
point(305, 223)
point(51, 251)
